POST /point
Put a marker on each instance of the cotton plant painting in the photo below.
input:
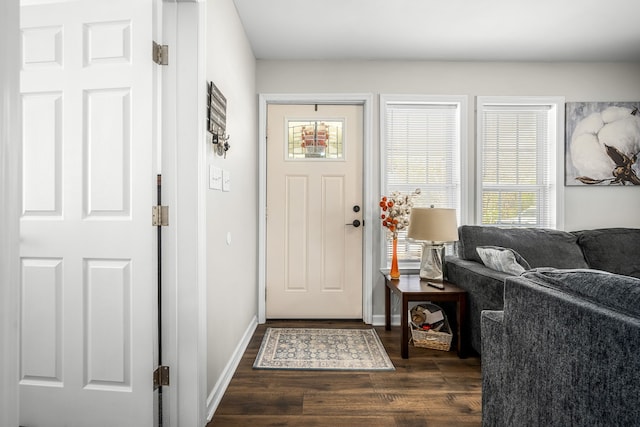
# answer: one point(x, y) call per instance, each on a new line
point(602, 143)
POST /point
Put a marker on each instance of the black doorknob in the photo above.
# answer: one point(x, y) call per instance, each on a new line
point(356, 208)
point(355, 223)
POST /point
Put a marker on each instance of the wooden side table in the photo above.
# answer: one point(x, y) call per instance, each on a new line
point(412, 288)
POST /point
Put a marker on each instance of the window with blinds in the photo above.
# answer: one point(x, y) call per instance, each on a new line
point(421, 149)
point(517, 168)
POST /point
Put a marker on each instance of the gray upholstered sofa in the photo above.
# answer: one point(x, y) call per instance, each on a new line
point(565, 351)
point(615, 250)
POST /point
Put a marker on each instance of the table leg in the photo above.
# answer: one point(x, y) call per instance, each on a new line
point(387, 308)
point(461, 317)
point(404, 324)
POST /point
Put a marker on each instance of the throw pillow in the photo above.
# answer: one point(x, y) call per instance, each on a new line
point(502, 259)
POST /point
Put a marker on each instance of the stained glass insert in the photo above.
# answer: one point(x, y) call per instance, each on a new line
point(315, 139)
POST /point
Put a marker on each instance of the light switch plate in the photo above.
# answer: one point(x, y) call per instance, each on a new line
point(226, 180)
point(215, 178)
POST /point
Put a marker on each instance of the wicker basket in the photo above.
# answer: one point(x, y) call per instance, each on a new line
point(435, 340)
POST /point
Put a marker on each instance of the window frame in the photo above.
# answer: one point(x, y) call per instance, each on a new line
point(555, 152)
point(461, 101)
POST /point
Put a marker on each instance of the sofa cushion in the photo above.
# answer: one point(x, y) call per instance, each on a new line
point(502, 259)
point(485, 291)
point(616, 250)
point(540, 247)
point(569, 360)
point(614, 291)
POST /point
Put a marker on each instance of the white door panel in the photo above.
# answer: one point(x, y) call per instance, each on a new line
point(87, 244)
point(314, 258)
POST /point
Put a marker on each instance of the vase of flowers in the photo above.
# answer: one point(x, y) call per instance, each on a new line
point(394, 273)
point(395, 217)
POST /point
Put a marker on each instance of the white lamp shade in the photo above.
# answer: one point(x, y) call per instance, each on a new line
point(433, 225)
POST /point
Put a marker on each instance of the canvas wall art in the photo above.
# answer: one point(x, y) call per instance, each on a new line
point(602, 143)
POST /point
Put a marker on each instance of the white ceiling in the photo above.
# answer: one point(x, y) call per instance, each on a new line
point(451, 30)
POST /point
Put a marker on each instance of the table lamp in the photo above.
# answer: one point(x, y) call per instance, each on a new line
point(433, 227)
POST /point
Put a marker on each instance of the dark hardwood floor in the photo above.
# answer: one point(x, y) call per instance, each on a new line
point(431, 388)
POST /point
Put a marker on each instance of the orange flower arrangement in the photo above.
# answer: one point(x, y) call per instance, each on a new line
point(396, 210)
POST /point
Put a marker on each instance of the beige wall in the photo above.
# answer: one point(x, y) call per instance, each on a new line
point(231, 268)
point(584, 207)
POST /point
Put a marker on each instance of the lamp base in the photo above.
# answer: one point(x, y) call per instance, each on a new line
point(431, 263)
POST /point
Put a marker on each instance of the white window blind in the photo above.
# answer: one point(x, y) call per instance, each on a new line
point(421, 149)
point(517, 172)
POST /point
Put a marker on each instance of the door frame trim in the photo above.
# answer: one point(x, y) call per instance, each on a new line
point(184, 246)
point(364, 99)
point(10, 200)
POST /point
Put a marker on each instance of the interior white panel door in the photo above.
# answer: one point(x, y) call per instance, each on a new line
point(314, 254)
point(87, 244)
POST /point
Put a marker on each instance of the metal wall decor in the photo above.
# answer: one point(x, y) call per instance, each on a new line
point(217, 119)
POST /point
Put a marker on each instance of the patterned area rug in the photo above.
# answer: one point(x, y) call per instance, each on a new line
point(322, 349)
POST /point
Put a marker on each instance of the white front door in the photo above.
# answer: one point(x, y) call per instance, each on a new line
point(87, 245)
point(314, 194)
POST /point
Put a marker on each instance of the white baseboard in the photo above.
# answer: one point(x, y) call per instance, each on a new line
point(214, 398)
point(378, 320)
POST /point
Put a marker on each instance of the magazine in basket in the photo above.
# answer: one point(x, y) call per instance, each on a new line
point(430, 327)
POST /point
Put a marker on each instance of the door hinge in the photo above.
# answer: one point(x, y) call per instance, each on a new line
point(160, 216)
point(161, 377)
point(160, 54)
